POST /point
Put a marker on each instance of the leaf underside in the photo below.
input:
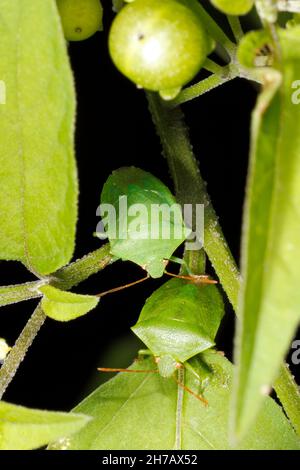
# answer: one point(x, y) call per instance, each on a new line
point(64, 306)
point(38, 198)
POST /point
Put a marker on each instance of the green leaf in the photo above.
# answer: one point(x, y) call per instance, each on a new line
point(65, 306)
point(138, 411)
point(270, 296)
point(38, 198)
point(144, 223)
point(180, 319)
point(24, 429)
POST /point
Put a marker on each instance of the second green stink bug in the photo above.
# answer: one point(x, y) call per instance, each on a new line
point(179, 321)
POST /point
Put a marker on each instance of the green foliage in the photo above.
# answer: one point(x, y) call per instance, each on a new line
point(131, 238)
point(128, 412)
point(80, 19)
point(233, 7)
point(270, 296)
point(24, 429)
point(161, 46)
point(66, 306)
point(142, 40)
point(38, 197)
point(180, 319)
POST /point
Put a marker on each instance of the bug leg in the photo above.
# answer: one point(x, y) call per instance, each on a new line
point(195, 279)
point(187, 389)
point(184, 264)
point(141, 353)
point(117, 289)
point(192, 370)
point(177, 260)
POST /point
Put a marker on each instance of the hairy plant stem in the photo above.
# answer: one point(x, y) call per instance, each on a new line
point(219, 76)
point(213, 67)
point(216, 32)
point(17, 293)
point(202, 87)
point(191, 189)
point(18, 352)
point(236, 27)
point(65, 278)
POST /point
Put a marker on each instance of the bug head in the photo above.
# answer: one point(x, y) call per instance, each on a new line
point(167, 365)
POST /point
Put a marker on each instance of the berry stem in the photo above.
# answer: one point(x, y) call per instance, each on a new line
point(236, 27)
point(222, 75)
point(213, 67)
point(216, 32)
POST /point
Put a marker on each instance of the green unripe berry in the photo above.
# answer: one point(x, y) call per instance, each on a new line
point(159, 45)
point(233, 7)
point(80, 18)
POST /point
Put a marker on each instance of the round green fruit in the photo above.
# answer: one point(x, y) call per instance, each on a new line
point(80, 18)
point(159, 45)
point(233, 7)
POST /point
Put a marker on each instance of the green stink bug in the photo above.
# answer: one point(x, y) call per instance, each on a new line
point(179, 321)
point(143, 222)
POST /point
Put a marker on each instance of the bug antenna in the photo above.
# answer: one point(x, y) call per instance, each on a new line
point(126, 286)
point(195, 278)
point(187, 389)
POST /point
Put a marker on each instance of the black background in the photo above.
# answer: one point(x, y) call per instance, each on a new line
point(114, 129)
